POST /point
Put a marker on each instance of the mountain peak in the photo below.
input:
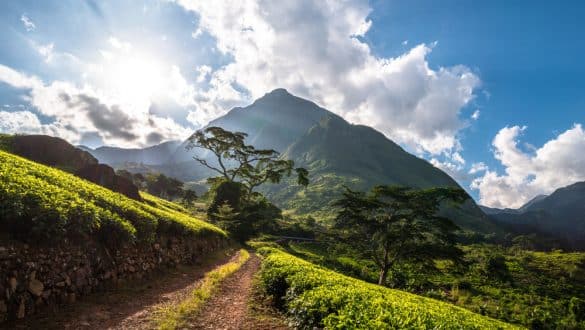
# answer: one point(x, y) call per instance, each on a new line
point(279, 91)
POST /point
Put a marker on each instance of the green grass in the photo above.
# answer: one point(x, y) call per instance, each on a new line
point(317, 297)
point(38, 202)
point(175, 316)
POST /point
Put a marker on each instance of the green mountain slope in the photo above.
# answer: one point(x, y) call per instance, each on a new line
point(38, 202)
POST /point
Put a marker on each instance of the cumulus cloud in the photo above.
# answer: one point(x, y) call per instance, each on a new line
point(559, 162)
point(29, 25)
point(314, 49)
point(79, 112)
point(19, 121)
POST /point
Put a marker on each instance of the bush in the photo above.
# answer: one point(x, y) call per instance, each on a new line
point(40, 203)
point(316, 297)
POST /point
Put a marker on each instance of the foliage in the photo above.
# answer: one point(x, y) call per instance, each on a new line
point(163, 186)
point(40, 203)
point(394, 223)
point(6, 142)
point(317, 297)
point(176, 316)
point(237, 161)
point(524, 287)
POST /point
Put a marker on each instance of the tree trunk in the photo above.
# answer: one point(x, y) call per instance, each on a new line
point(383, 275)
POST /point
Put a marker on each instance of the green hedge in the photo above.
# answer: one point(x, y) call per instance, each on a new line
point(316, 297)
point(38, 202)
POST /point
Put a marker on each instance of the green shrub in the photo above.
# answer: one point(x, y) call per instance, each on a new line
point(316, 297)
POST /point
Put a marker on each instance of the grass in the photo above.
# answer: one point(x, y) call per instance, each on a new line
point(313, 296)
point(175, 316)
point(42, 203)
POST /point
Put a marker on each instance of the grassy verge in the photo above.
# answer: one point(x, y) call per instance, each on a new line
point(174, 316)
point(314, 296)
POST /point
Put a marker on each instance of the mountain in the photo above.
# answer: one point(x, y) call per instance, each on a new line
point(336, 153)
point(561, 214)
point(155, 155)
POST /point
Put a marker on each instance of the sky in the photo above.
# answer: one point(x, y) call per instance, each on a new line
point(492, 92)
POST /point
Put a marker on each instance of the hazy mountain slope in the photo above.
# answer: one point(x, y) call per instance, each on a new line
point(155, 155)
point(562, 214)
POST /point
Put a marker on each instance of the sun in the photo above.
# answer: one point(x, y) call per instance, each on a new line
point(133, 79)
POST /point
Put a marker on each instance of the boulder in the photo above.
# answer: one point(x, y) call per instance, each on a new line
point(51, 151)
point(105, 176)
point(36, 287)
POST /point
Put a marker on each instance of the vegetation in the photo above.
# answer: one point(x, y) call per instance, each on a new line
point(237, 161)
point(394, 223)
point(523, 287)
point(45, 204)
point(236, 207)
point(316, 297)
point(175, 316)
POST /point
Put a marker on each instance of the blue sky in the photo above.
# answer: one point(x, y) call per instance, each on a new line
point(491, 92)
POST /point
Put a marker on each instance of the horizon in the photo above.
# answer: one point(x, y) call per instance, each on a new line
point(487, 92)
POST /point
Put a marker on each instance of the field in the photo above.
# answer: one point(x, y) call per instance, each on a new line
point(517, 286)
point(316, 297)
point(45, 204)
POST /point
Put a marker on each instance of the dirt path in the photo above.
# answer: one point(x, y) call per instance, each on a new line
point(128, 307)
point(229, 307)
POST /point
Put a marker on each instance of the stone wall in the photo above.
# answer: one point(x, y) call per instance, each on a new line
point(33, 277)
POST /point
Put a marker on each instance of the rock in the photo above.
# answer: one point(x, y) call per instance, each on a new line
point(51, 151)
point(105, 176)
point(12, 283)
point(36, 287)
point(21, 310)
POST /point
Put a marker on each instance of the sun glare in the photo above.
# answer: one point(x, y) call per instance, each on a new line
point(134, 80)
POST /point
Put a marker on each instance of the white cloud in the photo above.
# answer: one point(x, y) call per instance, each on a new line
point(29, 25)
point(81, 110)
point(312, 49)
point(478, 167)
point(475, 115)
point(46, 51)
point(559, 162)
point(19, 121)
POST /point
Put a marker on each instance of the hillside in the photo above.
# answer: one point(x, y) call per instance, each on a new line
point(561, 214)
point(317, 297)
point(38, 202)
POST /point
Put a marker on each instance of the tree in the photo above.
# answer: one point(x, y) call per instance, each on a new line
point(189, 196)
point(394, 223)
point(236, 161)
point(163, 186)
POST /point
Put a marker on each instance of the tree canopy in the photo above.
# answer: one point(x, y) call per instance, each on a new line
point(394, 223)
point(236, 161)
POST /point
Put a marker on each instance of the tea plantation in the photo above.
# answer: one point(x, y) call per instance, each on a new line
point(313, 296)
point(42, 203)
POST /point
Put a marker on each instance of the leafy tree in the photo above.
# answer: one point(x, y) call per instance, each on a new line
point(236, 161)
point(189, 196)
point(394, 223)
point(163, 186)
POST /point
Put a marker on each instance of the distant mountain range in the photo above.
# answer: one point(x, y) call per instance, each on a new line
point(561, 214)
point(155, 155)
point(335, 152)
